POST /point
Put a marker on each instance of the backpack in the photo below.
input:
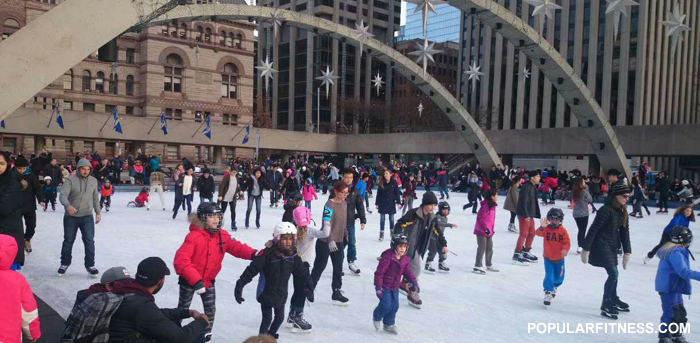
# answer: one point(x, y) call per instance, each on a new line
point(89, 320)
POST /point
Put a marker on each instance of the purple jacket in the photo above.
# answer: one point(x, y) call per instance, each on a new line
point(390, 270)
point(485, 219)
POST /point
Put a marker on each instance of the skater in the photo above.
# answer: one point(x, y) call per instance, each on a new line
point(205, 186)
point(610, 226)
point(409, 194)
point(672, 281)
point(393, 265)
point(31, 193)
point(686, 194)
point(11, 209)
point(556, 247)
point(362, 190)
point(484, 230)
point(199, 258)
point(638, 199)
point(308, 193)
point(276, 263)
point(79, 196)
point(157, 184)
point(442, 177)
point(289, 185)
point(472, 196)
point(388, 197)
point(184, 190)
point(293, 202)
point(581, 198)
point(335, 219)
point(50, 192)
point(528, 210)
point(106, 194)
point(228, 192)
point(355, 210)
point(306, 234)
point(274, 176)
point(255, 185)
point(663, 187)
point(433, 246)
point(683, 216)
point(141, 199)
point(511, 204)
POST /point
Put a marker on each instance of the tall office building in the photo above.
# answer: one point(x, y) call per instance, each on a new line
point(291, 100)
point(442, 27)
point(634, 77)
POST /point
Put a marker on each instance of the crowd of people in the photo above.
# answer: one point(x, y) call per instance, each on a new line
point(123, 307)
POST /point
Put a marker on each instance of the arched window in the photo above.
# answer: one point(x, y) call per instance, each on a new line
point(207, 35)
point(183, 31)
point(173, 74)
point(239, 41)
point(113, 83)
point(100, 82)
point(87, 77)
point(68, 80)
point(229, 39)
point(129, 85)
point(229, 81)
point(200, 33)
point(222, 38)
point(9, 26)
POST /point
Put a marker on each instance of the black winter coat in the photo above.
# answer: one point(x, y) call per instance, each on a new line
point(601, 240)
point(528, 206)
point(54, 172)
point(32, 194)
point(663, 186)
point(206, 186)
point(275, 269)
point(248, 184)
point(11, 212)
point(289, 186)
point(388, 197)
point(288, 215)
point(418, 228)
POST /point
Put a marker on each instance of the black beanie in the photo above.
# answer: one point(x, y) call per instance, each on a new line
point(429, 198)
point(21, 161)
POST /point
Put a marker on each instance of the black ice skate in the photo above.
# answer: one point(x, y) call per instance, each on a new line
point(479, 270)
point(443, 267)
point(519, 260)
point(299, 324)
point(608, 310)
point(528, 256)
point(338, 298)
point(381, 235)
point(620, 305)
point(62, 269)
point(92, 271)
point(429, 269)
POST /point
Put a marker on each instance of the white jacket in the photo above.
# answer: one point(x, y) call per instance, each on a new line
point(306, 249)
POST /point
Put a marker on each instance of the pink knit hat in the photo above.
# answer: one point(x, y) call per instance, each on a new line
point(302, 216)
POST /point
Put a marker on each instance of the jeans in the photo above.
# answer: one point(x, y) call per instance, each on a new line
point(553, 275)
point(673, 310)
point(527, 233)
point(443, 192)
point(352, 249)
point(582, 224)
point(71, 225)
point(105, 200)
point(258, 199)
point(299, 295)
point(387, 307)
point(322, 255)
point(307, 204)
point(382, 220)
point(610, 289)
point(231, 204)
point(182, 200)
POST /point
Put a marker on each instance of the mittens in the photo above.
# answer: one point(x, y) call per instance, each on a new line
point(238, 292)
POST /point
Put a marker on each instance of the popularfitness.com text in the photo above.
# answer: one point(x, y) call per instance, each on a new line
point(606, 328)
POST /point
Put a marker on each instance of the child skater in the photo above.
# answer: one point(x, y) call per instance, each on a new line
point(673, 280)
point(393, 264)
point(198, 260)
point(293, 201)
point(556, 247)
point(683, 216)
point(309, 193)
point(276, 263)
point(106, 194)
point(409, 193)
point(141, 199)
point(484, 230)
point(50, 193)
point(305, 242)
point(435, 243)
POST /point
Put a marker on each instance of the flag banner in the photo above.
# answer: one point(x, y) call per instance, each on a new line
point(117, 125)
point(163, 124)
point(207, 129)
point(247, 133)
point(59, 119)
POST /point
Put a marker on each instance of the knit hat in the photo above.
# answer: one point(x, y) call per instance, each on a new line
point(429, 198)
point(21, 161)
point(619, 188)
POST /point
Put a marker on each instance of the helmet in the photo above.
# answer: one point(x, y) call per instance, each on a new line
point(279, 170)
point(206, 171)
point(555, 213)
point(302, 216)
point(144, 189)
point(284, 228)
point(309, 180)
point(296, 196)
point(685, 182)
point(681, 235)
point(303, 168)
point(398, 238)
point(207, 209)
point(443, 205)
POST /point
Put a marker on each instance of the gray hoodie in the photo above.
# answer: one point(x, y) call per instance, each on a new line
point(81, 193)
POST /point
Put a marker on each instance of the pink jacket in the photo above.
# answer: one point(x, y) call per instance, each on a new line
point(18, 312)
point(308, 193)
point(485, 219)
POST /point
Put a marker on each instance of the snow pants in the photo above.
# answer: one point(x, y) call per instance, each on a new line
point(553, 275)
point(433, 250)
point(387, 307)
point(208, 300)
point(485, 246)
point(673, 312)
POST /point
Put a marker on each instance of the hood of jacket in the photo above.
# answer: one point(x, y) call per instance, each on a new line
point(84, 163)
point(130, 286)
point(8, 251)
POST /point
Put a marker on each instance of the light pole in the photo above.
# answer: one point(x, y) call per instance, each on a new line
point(318, 109)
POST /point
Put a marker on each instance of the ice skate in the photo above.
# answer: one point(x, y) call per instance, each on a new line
point(414, 299)
point(299, 324)
point(479, 270)
point(579, 250)
point(554, 293)
point(404, 287)
point(528, 256)
point(665, 340)
point(107, 208)
point(492, 269)
point(378, 326)
point(429, 269)
point(28, 246)
point(92, 271)
point(519, 260)
point(62, 269)
point(289, 323)
point(647, 259)
point(442, 267)
point(391, 329)
point(547, 298)
point(678, 338)
point(353, 269)
point(381, 235)
point(608, 310)
point(338, 298)
point(620, 305)
point(512, 228)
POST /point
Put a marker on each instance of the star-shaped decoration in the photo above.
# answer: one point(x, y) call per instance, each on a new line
point(276, 20)
point(420, 109)
point(327, 78)
point(362, 34)
point(619, 8)
point(676, 27)
point(113, 67)
point(426, 6)
point(267, 70)
point(525, 73)
point(544, 8)
point(425, 52)
point(377, 82)
point(474, 73)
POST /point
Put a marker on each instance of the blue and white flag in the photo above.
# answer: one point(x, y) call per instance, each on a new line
point(247, 133)
point(59, 119)
point(163, 124)
point(207, 129)
point(2, 123)
point(117, 125)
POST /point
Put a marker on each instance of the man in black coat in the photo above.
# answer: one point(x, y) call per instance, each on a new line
point(10, 207)
point(274, 177)
point(663, 186)
point(31, 193)
point(205, 185)
point(54, 171)
point(528, 209)
point(356, 210)
point(139, 320)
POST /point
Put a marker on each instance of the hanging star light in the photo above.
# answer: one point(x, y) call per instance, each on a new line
point(276, 20)
point(474, 74)
point(267, 70)
point(675, 27)
point(425, 52)
point(619, 8)
point(420, 109)
point(377, 82)
point(426, 6)
point(327, 78)
point(362, 34)
point(544, 8)
point(525, 73)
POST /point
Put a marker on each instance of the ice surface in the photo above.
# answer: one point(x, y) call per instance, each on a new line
point(457, 307)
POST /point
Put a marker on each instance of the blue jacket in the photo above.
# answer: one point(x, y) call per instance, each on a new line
point(674, 273)
point(49, 189)
point(361, 188)
point(678, 219)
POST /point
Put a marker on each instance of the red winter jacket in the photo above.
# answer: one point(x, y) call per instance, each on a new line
point(18, 312)
point(200, 256)
point(142, 198)
point(548, 184)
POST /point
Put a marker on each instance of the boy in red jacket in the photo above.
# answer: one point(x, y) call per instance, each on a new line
point(18, 312)
point(205, 246)
point(556, 247)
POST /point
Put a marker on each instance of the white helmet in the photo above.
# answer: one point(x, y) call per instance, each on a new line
point(685, 182)
point(47, 178)
point(303, 168)
point(284, 228)
point(280, 170)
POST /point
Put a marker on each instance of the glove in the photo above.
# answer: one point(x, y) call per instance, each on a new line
point(487, 232)
point(238, 292)
point(625, 260)
point(380, 293)
point(584, 256)
point(332, 246)
point(199, 287)
point(414, 287)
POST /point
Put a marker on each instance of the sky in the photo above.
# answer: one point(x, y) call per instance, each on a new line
point(403, 10)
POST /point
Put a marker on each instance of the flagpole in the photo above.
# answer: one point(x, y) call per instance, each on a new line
point(108, 117)
point(154, 125)
point(200, 126)
point(52, 113)
point(241, 130)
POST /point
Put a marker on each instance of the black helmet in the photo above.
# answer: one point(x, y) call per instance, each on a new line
point(555, 213)
point(296, 196)
point(681, 235)
point(443, 205)
point(206, 209)
point(397, 239)
point(144, 189)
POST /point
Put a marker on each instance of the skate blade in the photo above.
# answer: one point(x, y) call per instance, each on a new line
point(444, 271)
point(429, 272)
point(391, 332)
point(518, 263)
point(288, 325)
point(626, 310)
point(341, 304)
point(300, 331)
point(403, 292)
point(607, 315)
point(414, 305)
